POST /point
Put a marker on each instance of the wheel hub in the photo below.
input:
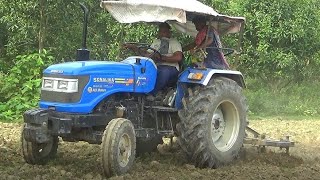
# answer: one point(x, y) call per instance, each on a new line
point(124, 150)
point(218, 125)
point(225, 126)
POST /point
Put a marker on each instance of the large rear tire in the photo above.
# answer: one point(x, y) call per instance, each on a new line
point(38, 153)
point(213, 123)
point(118, 147)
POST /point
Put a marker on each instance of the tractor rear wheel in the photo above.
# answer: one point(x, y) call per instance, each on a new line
point(213, 122)
point(118, 147)
point(38, 153)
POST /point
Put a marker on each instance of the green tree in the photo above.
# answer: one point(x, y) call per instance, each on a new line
point(281, 39)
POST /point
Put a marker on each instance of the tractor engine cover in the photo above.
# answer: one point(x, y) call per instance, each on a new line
point(77, 87)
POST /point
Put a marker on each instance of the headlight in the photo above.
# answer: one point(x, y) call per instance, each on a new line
point(195, 76)
point(47, 83)
point(60, 85)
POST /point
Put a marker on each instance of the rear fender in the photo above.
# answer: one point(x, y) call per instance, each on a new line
point(207, 75)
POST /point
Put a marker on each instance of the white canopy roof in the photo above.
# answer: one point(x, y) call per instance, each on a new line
point(178, 12)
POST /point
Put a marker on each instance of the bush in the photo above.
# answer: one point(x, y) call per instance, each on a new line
point(21, 88)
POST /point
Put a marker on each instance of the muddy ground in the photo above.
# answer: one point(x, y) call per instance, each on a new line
point(82, 161)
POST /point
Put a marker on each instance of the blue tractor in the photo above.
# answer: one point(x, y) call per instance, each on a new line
point(104, 102)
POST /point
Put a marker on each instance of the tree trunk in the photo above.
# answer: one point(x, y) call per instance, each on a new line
point(41, 34)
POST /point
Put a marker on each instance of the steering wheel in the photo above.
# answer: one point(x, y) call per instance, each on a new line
point(145, 46)
point(154, 51)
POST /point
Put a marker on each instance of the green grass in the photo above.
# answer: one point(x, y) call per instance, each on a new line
point(295, 100)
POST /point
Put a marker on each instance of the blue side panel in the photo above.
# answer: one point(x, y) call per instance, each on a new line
point(183, 79)
point(179, 96)
point(106, 78)
point(145, 74)
point(184, 76)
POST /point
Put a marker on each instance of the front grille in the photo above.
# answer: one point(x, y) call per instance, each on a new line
point(62, 97)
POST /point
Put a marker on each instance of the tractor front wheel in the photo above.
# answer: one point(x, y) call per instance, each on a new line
point(118, 147)
point(38, 153)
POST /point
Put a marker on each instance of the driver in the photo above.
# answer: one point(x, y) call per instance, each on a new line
point(168, 64)
point(214, 57)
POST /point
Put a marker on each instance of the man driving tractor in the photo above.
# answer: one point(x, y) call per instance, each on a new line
point(168, 63)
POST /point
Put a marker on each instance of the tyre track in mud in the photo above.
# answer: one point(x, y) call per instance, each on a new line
point(82, 160)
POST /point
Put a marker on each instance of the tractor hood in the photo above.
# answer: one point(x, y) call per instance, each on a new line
point(88, 67)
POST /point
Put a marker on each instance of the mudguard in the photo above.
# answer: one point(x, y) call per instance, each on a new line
point(206, 74)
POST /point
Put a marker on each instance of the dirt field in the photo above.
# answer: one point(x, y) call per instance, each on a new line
point(82, 161)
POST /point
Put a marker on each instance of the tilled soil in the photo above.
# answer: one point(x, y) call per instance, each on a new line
point(82, 160)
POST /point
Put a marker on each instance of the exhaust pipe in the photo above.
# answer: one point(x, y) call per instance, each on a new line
point(83, 53)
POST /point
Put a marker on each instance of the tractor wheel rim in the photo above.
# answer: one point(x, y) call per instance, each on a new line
point(225, 125)
point(124, 150)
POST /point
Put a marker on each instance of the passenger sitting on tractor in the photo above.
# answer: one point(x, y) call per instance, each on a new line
point(168, 64)
point(214, 57)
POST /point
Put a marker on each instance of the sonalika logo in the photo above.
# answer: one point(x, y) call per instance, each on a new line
point(106, 80)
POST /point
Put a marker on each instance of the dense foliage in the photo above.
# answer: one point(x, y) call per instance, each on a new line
point(281, 44)
point(282, 40)
point(21, 88)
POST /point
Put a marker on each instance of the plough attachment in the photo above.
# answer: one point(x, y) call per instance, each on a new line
point(261, 141)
